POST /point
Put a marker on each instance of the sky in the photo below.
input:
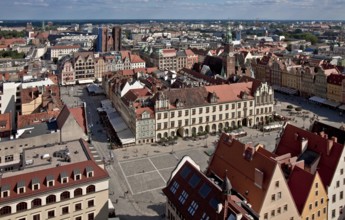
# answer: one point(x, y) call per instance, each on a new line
point(173, 9)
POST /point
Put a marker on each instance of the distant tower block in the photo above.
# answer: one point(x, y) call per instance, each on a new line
point(116, 34)
point(43, 26)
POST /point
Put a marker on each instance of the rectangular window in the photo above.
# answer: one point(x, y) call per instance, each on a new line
point(193, 111)
point(333, 213)
point(174, 187)
point(310, 206)
point(277, 183)
point(51, 214)
point(316, 185)
point(273, 213)
point(78, 218)
point(279, 195)
point(334, 198)
point(338, 183)
point(200, 110)
point(90, 203)
point(36, 217)
point(220, 117)
point(239, 105)
point(186, 112)
point(316, 203)
point(165, 115)
point(183, 197)
point(186, 122)
point(172, 114)
point(91, 216)
point(208, 110)
point(65, 210)
point(227, 107)
point(172, 124)
point(285, 208)
point(220, 108)
point(341, 196)
point(193, 121)
point(179, 113)
point(207, 118)
point(8, 158)
point(159, 116)
point(200, 120)
point(273, 197)
point(214, 108)
point(233, 115)
point(233, 106)
point(226, 115)
point(192, 208)
point(77, 207)
point(341, 171)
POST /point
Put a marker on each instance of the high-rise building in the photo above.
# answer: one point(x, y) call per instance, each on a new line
point(102, 39)
point(116, 38)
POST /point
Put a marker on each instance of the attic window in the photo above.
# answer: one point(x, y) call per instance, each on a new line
point(50, 180)
point(21, 187)
point(5, 191)
point(77, 174)
point(35, 184)
point(63, 177)
point(89, 172)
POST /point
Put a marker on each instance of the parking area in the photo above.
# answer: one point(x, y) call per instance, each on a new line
point(151, 173)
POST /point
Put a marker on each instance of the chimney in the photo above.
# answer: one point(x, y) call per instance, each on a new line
point(335, 139)
point(329, 146)
point(259, 178)
point(304, 144)
point(296, 136)
point(322, 134)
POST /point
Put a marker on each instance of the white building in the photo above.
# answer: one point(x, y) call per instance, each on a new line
point(61, 51)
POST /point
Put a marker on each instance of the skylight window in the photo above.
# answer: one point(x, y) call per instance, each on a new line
point(184, 173)
point(214, 203)
point(205, 190)
point(194, 180)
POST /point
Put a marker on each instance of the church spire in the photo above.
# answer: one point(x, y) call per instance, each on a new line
point(228, 36)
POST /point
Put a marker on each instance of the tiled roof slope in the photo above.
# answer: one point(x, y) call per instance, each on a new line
point(290, 142)
point(204, 192)
point(329, 130)
point(229, 157)
point(300, 182)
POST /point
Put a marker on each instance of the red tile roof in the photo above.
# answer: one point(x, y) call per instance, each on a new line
point(232, 92)
point(5, 122)
point(79, 115)
point(290, 142)
point(300, 183)
point(335, 79)
point(207, 200)
point(35, 118)
point(229, 158)
point(41, 175)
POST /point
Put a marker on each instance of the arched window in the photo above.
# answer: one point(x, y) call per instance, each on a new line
point(65, 195)
point(22, 206)
point(51, 199)
point(5, 210)
point(36, 203)
point(90, 189)
point(78, 192)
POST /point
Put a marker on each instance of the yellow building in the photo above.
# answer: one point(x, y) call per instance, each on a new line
point(334, 87)
point(292, 78)
point(309, 194)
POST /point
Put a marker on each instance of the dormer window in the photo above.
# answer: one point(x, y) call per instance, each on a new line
point(50, 180)
point(77, 174)
point(21, 187)
point(35, 184)
point(63, 177)
point(5, 191)
point(89, 172)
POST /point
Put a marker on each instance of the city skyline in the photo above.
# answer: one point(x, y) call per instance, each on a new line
point(173, 9)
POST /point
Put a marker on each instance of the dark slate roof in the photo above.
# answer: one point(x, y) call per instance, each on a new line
point(330, 131)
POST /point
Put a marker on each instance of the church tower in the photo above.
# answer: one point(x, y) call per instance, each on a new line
point(228, 54)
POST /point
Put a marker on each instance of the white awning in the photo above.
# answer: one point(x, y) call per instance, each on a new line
point(286, 90)
point(331, 103)
point(110, 205)
point(317, 99)
point(342, 107)
point(85, 81)
point(123, 132)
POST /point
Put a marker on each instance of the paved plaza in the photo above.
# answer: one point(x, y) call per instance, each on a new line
point(139, 173)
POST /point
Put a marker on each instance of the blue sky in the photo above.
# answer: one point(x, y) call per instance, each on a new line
point(172, 9)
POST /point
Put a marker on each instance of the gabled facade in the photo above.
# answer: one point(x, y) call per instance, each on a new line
point(192, 195)
point(254, 175)
point(321, 153)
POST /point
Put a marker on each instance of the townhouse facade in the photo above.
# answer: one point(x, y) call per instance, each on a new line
point(189, 111)
point(255, 176)
point(171, 59)
point(60, 51)
point(334, 87)
point(320, 154)
point(91, 66)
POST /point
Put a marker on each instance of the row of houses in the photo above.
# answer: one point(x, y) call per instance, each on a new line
point(301, 179)
point(307, 77)
point(83, 67)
